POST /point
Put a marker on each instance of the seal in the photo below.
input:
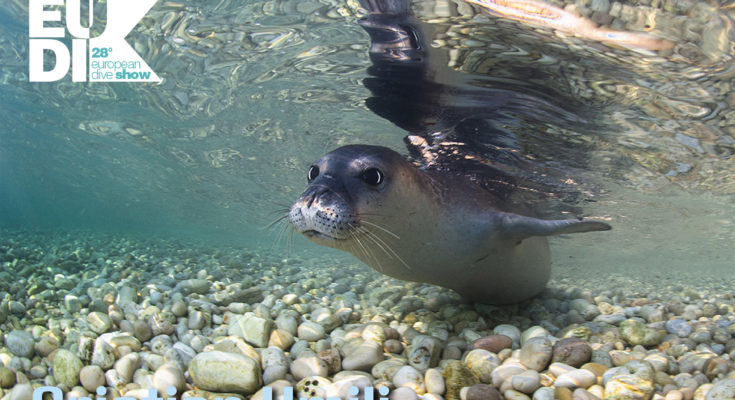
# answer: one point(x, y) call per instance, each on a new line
point(427, 226)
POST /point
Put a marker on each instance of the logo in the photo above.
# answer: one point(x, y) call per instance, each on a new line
point(106, 58)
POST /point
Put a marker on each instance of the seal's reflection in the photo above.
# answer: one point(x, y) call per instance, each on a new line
point(468, 123)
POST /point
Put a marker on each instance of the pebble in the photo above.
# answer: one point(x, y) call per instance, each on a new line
point(287, 323)
point(170, 375)
point(22, 391)
point(544, 393)
point(578, 378)
point(38, 371)
point(533, 332)
point(99, 322)
point(178, 308)
point(46, 345)
point(721, 390)
point(72, 304)
point(628, 387)
point(364, 357)
point(311, 331)
point(142, 331)
point(526, 382)
point(20, 343)
point(480, 392)
point(125, 296)
point(91, 377)
point(274, 373)
point(434, 381)
point(536, 352)
point(425, 352)
point(281, 338)
point(403, 393)
point(493, 343)
point(637, 333)
point(7, 378)
point(127, 365)
point(155, 297)
point(332, 358)
point(225, 372)
point(188, 286)
point(571, 351)
point(510, 331)
point(503, 373)
point(385, 370)
point(511, 394)
point(409, 376)
point(198, 320)
point(582, 394)
point(456, 376)
point(393, 346)
point(255, 330)
point(678, 327)
point(67, 367)
point(482, 363)
point(303, 367)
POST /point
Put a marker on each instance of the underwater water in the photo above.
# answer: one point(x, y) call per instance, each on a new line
point(161, 192)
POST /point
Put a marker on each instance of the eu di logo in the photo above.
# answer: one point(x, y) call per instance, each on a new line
point(107, 57)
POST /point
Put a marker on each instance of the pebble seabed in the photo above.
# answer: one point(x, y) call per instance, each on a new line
point(91, 315)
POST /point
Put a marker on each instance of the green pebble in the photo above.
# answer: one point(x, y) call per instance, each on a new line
point(7, 378)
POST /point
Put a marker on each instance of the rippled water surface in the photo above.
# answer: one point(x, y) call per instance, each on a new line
point(252, 92)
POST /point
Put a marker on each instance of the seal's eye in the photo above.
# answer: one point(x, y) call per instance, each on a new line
point(372, 177)
point(313, 173)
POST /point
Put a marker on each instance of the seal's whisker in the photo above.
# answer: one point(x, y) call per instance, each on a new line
point(282, 209)
point(384, 246)
point(281, 230)
point(381, 228)
point(289, 238)
point(355, 232)
point(276, 221)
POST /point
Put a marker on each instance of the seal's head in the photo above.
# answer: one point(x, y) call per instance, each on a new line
point(349, 188)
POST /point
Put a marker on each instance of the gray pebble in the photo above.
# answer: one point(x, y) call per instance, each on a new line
point(526, 382)
point(311, 331)
point(20, 343)
point(402, 393)
point(536, 353)
point(308, 366)
point(274, 373)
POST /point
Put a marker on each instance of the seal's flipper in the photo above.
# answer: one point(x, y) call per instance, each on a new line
point(521, 227)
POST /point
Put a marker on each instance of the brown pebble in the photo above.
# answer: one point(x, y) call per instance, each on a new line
point(595, 368)
point(391, 333)
point(582, 394)
point(333, 360)
point(482, 391)
point(563, 393)
point(493, 343)
point(393, 346)
point(571, 351)
point(46, 345)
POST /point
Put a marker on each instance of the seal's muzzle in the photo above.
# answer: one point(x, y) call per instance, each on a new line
point(322, 214)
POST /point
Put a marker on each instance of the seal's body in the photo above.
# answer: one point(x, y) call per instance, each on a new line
point(426, 226)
